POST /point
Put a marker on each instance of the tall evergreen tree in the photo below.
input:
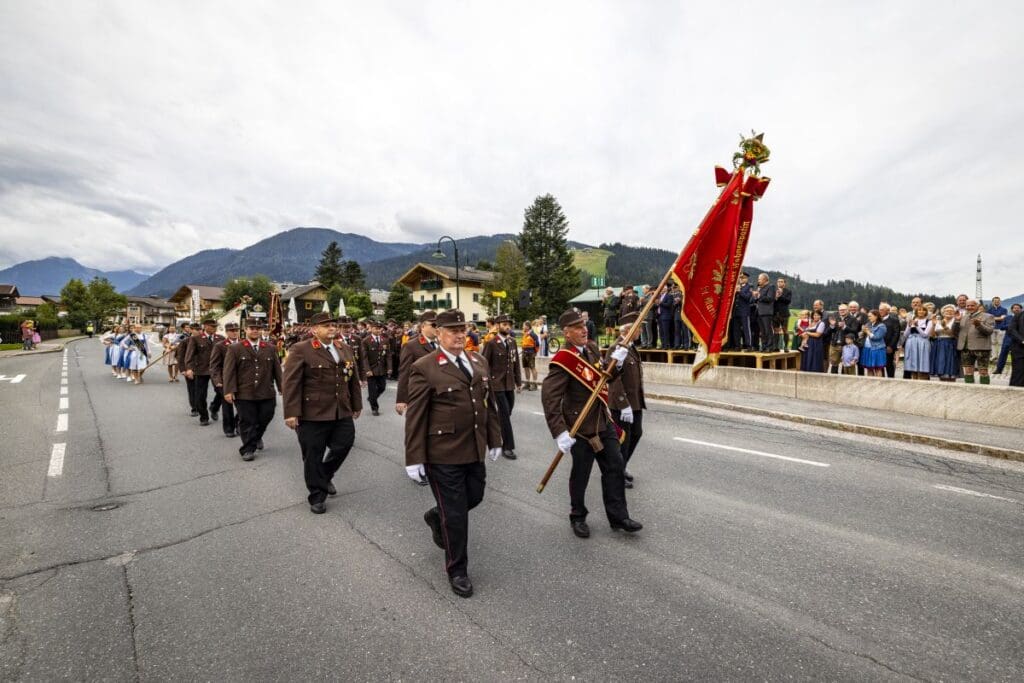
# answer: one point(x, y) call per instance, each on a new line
point(330, 271)
point(550, 272)
point(352, 276)
point(399, 304)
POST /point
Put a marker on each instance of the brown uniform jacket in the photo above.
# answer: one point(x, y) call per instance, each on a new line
point(252, 371)
point(355, 343)
point(217, 362)
point(413, 350)
point(563, 397)
point(197, 353)
point(628, 386)
point(450, 420)
point(318, 389)
point(976, 338)
point(628, 303)
point(503, 358)
point(179, 352)
point(375, 356)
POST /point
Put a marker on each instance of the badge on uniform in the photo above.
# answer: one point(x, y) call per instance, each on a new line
point(441, 360)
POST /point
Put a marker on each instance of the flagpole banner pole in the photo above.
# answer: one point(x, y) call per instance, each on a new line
point(706, 270)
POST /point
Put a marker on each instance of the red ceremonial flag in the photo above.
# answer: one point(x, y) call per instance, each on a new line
point(709, 265)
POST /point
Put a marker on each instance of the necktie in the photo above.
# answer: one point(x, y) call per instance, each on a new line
point(334, 353)
point(433, 346)
point(462, 366)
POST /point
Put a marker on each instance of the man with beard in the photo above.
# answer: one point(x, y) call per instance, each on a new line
point(502, 356)
point(322, 400)
point(251, 371)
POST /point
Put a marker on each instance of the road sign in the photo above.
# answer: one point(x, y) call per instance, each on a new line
point(499, 295)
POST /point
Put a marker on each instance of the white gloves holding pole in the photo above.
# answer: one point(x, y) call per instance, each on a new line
point(493, 453)
point(565, 442)
point(619, 354)
point(626, 415)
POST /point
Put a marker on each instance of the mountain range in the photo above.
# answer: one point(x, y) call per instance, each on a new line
point(49, 275)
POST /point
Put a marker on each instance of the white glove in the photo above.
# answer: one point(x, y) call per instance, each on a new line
point(565, 442)
point(416, 472)
point(626, 415)
point(619, 354)
point(493, 453)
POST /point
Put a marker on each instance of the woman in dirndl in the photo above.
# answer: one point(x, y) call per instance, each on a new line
point(944, 361)
point(917, 349)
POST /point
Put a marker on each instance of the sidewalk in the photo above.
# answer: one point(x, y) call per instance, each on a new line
point(1000, 442)
point(51, 346)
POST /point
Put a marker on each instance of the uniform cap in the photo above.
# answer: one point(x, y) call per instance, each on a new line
point(453, 317)
point(322, 318)
point(428, 316)
point(231, 326)
point(209, 321)
point(503, 318)
point(570, 318)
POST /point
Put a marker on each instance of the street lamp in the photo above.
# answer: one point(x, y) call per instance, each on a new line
point(440, 255)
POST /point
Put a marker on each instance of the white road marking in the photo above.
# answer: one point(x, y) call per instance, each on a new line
point(63, 403)
point(64, 391)
point(56, 460)
point(760, 453)
point(16, 379)
point(62, 422)
point(979, 494)
point(63, 381)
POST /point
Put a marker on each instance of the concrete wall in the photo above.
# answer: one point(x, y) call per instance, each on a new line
point(995, 405)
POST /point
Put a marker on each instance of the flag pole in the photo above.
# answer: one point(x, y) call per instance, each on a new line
point(629, 337)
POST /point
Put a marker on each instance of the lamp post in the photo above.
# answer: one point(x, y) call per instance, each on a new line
point(440, 254)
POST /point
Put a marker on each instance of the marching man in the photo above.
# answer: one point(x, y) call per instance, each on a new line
point(251, 371)
point(451, 425)
point(627, 389)
point(572, 375)
point(502, 357)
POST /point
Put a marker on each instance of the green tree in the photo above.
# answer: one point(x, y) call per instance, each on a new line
point(334, 295)
point(257, 288)
point(357, 304)
point(352, 276)
point(509, 277)
point(46, 316)
point(399, 304)
point(74, 296)
point(330, 270)
point(104, 301)
point(549, 267)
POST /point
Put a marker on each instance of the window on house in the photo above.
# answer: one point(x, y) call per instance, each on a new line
point(476, 299)
point(309, 305)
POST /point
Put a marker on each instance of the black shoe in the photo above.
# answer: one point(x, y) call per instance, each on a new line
point(259, 445)
point(194, 413)
point(461, 586)
point(214, 414)
point(331, 491)
point(230, 435)
point(626, 475)
point(580, 528)
point(376, 413)
point(248, 455)
point(204, 423)
point(433, 519)
point(627, 524)
point(628, 483)
point(318, 508)
point(511, 455)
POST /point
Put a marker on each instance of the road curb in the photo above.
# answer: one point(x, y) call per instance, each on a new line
point(906, 437)
point(60, 347)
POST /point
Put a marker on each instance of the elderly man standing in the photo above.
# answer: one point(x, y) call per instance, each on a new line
point(451, 425)
point(975, 341)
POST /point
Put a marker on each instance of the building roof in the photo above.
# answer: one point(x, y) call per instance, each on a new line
point(153, 301)
point(52, 298)
point(466, 274)
point(300, 290)
point(208, 292)
point(29, 301)
point(9, 290)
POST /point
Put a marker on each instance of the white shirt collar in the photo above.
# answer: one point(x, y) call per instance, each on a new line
point(451, 357)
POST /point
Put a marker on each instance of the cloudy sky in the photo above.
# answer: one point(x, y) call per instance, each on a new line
point(135, 133)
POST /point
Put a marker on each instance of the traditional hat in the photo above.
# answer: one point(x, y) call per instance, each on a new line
point(228, 327)
point(373, 322)
point(344, 320)
point(629, 318)
point(503, 318)
point(570, 318)
point(322, 319)
point(453, 317)
point(392, 321)
point(428, 316)
point(208, 321)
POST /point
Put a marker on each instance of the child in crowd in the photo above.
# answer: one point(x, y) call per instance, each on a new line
point(801, 326)
point(851, 355)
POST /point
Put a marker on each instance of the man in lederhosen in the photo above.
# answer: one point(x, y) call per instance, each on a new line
point(376, 360)
point(628, 388)
point(251, 372)
point(451, 425)
point(322, 400)
point(197, 367)
point(572, 374)
point(217, 355)
point(502, 357)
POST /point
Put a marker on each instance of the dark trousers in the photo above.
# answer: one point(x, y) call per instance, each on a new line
point(652, 322)
point(190, 387)
point(890, 364)
point(766, 332)
point(457, 490)
point(325, 445)
point(396, 360)
point(200, 390)
point(505, 401)
point(739, 332)
point(228, 419)
point(633, 432)
point(253, 418)
point(665, 332)
point(613, 483)
point(1017, 373)
point(1004, 351)
point(376, 385)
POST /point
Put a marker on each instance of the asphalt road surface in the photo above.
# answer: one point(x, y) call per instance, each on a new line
point(137, 545)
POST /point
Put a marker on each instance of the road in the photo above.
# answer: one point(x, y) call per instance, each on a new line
point(154, 552)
